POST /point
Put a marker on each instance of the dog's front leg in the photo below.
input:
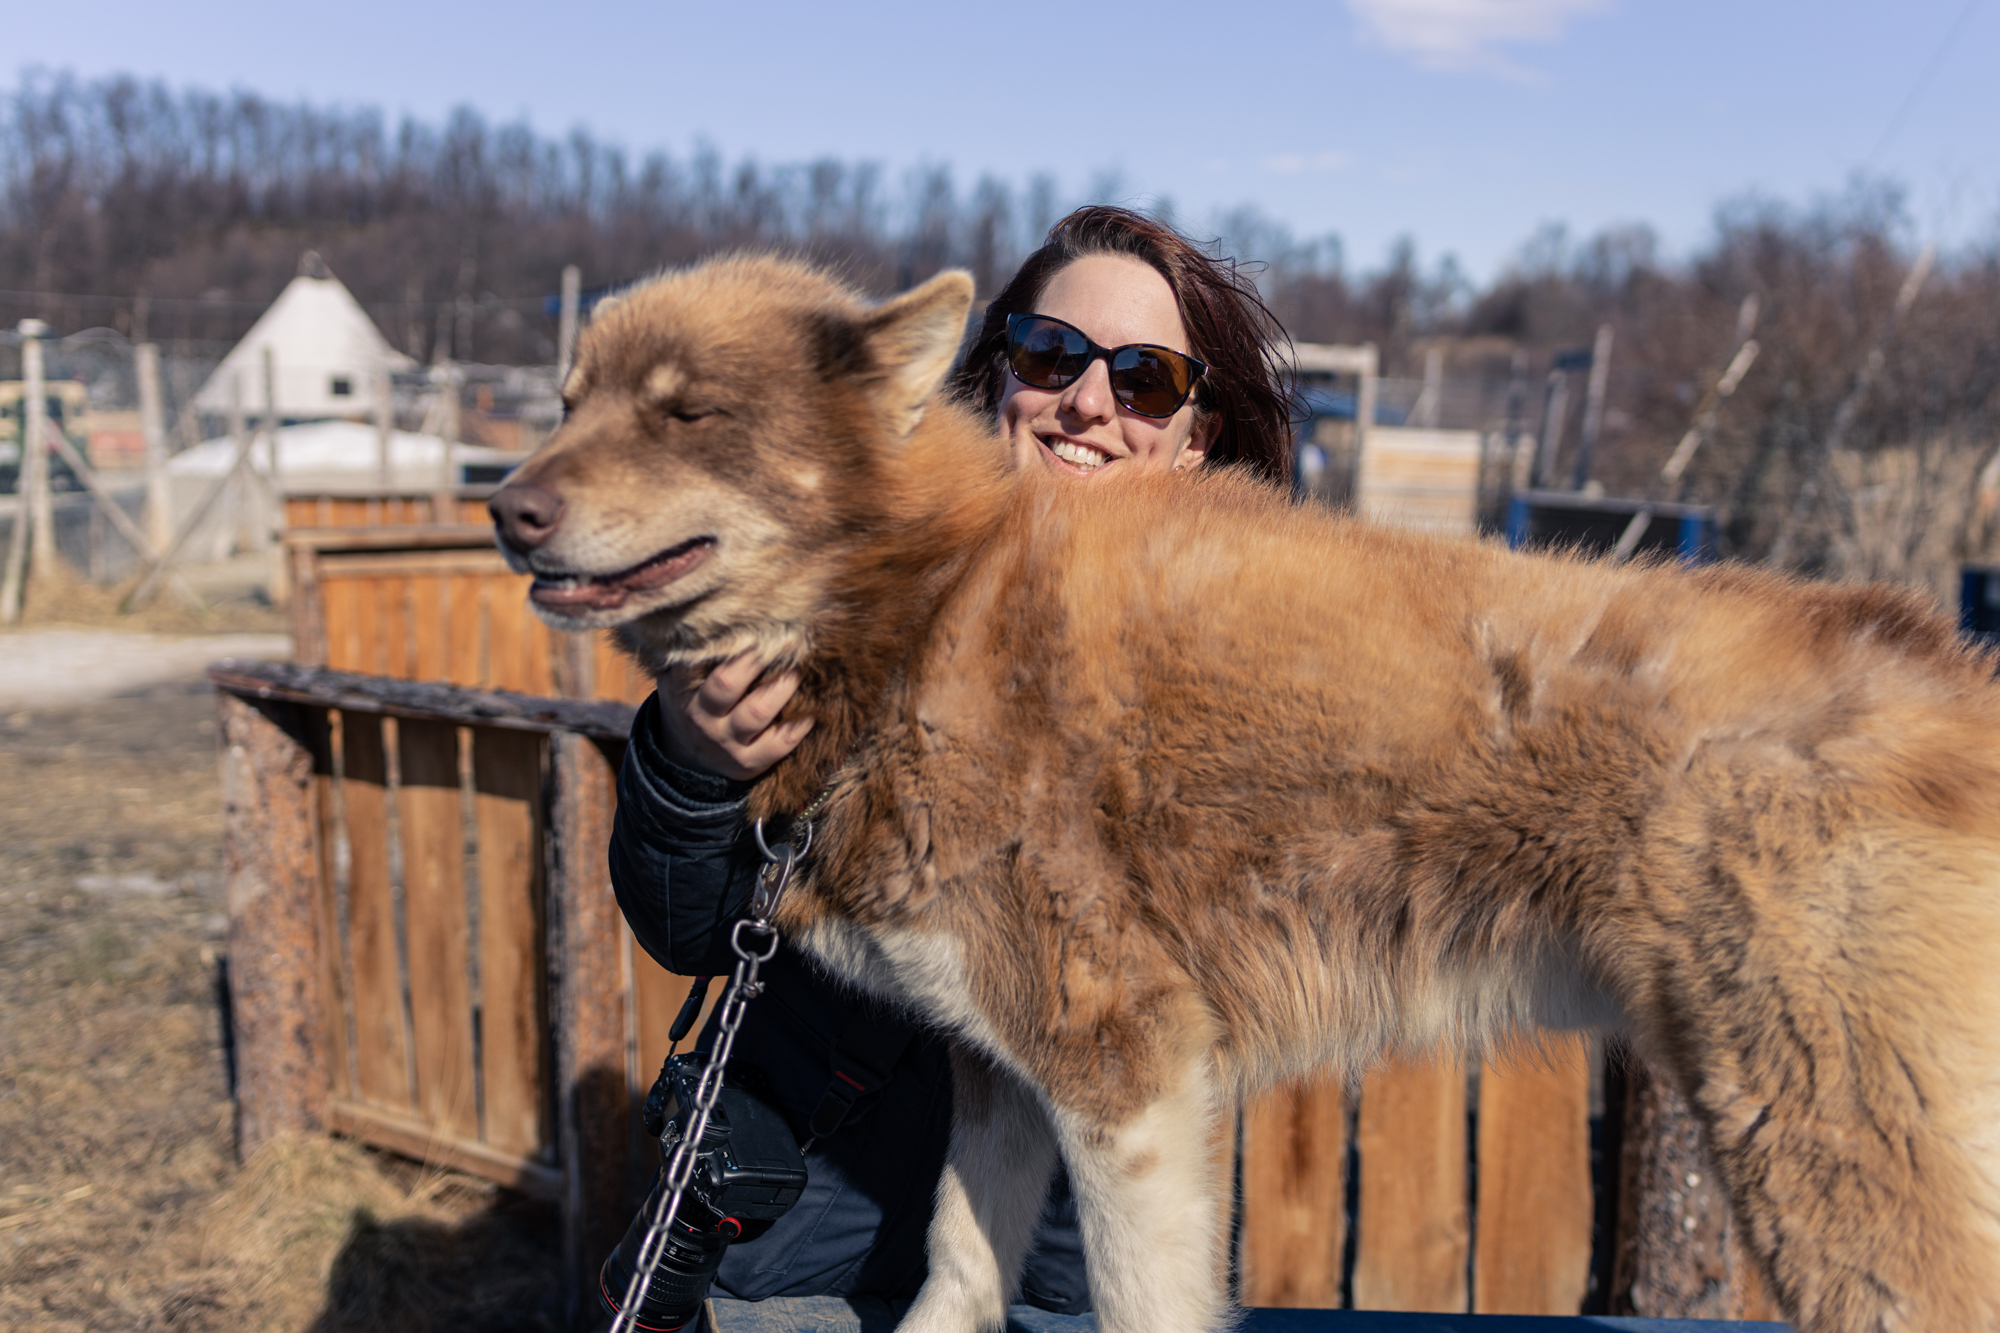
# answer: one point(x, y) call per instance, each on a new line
point(996, 1176)
point(1147, 1193)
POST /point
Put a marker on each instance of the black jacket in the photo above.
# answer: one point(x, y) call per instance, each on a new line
point(683, 866)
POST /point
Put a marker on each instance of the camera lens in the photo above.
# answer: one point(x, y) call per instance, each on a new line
point(695, 1242)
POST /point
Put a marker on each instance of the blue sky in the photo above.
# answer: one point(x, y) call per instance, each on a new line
point(1465, 124)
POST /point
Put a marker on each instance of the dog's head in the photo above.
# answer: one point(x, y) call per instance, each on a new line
point(723, 427)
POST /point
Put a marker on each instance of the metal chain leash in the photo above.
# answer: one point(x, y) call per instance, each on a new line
point(752, 954)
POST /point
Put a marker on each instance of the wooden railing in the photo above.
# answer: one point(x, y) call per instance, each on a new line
point(384, 508)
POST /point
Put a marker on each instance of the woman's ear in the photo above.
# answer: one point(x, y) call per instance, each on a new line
point(1207, 425)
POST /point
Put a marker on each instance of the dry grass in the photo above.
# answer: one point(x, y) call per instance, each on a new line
point(65, 598)
point(121, 1205)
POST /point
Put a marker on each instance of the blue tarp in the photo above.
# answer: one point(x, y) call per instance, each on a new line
point(832, 1314)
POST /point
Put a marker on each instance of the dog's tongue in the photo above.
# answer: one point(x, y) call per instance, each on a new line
point(587, 596)
point(610, 591)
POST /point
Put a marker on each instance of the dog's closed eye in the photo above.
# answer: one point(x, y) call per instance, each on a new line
point(684, 413)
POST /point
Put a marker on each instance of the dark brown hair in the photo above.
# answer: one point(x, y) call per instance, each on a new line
point(1228, 326)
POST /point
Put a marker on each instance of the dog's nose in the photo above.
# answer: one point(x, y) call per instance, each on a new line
point(524, 514)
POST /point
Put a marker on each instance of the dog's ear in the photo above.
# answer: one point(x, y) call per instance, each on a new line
point(912, 341)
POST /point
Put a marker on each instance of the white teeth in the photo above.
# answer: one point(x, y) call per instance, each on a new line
point(1081, 455)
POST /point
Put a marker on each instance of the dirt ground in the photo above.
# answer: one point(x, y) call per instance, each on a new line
point(121, 1203)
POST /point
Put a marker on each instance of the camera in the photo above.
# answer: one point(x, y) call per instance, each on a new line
point(747, 1172)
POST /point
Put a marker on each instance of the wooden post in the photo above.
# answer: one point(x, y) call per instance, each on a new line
point(1678, 1253)
point(271, 858)
point(35, 454)
point(1429, 402)
point(444, 502)
point(153, 422)
point(281, 572)
point(572, 284)
point(1519, 453)
point(246, 440)
point(1364, 402)
point(17, 537)
point(587, 994)
point(384, 423)
point(1555, 407)
point(270, 424)
point(1593, 405)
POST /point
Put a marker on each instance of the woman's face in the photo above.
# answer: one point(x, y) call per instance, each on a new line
point(1082, 431)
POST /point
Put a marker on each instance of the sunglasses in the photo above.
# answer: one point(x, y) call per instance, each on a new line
point(1045, 353)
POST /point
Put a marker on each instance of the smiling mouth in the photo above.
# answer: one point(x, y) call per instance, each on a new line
point(577, 593)
point(1079, 456)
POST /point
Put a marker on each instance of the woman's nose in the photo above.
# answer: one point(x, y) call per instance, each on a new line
point(1090, 396)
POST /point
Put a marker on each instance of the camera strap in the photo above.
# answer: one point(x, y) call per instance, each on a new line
point(864, 1055)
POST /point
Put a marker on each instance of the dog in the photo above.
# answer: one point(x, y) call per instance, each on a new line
point(1157, 796)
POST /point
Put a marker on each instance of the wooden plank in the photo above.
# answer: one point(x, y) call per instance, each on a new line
point(593, 1101)
point(656, 998)
point(463, 634)
point(471, 511)
point(353, 691)
point(394, 536)
point(427, 627)
point(334, 999)
point(519, 647)
point(376, 564)
point(1413, 1227)
point(513, 1000)
point(381, 1049)
point(1535, 1200)
point(538, 654)
point(431, 821)
point(271, 858)
point(506, 633)
point(342, 599)
point(308, 608)
point(1679, 1254)
point(1294, 1206)
point(415, 1139)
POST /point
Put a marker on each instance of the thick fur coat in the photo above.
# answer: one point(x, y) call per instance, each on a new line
point(1157, 794)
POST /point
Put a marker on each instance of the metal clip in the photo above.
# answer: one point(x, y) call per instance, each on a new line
point(779, 862)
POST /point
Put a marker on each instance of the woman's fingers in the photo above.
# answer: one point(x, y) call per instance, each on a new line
point(755, 710)
point(724, 723)
point(726, 685)
point(774, 744)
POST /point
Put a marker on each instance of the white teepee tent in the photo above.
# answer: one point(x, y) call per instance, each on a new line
point(326, 354)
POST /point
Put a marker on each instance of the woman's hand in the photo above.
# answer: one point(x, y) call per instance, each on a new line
point(722, 725)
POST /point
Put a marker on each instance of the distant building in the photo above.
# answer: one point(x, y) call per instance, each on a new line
point(326, 355)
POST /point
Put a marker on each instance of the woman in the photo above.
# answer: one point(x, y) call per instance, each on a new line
point(1118, 349)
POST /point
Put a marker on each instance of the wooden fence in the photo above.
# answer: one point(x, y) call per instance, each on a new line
point(424, 862)
point(437, 602)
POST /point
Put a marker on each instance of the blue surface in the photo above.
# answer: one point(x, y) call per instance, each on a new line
point(1369, 1321)
point(830, 1314)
